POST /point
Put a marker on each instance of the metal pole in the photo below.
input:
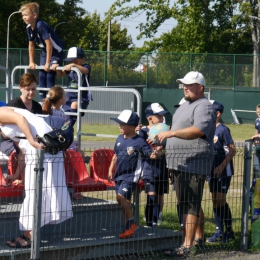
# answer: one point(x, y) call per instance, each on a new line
point(70, 21)
point(36, 234)
point(245, 197)
point(7, 46)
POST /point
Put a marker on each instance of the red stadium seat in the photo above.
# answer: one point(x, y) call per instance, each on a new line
point(77, 176)
point(99, 167)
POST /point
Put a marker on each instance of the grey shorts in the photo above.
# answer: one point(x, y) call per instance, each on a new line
point(189, 191)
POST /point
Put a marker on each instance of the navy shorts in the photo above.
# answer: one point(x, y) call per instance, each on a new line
point(159, 186)
point(125, 188)
point(54, 59)
point(220, 185)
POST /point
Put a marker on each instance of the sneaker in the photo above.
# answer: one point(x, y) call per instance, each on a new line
point(228, 236)
point(159, 221)
point(216, 237)
point(129, 232)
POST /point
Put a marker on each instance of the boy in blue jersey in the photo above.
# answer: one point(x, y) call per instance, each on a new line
point(41, 34)
point(155, 172)
point(76, 58)
point(222, 171)
point(130, 152)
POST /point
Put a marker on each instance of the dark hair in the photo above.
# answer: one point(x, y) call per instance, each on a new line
point(54, 95)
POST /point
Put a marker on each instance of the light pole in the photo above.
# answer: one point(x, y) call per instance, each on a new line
point(7, 43)
point(70, 21)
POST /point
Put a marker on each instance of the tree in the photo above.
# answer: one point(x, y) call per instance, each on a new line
point(203, 26)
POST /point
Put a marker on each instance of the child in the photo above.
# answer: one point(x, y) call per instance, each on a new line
point(53, 102)
point(156, 173)
point(129, 150)
point(76, 57)
point(220, 179)
point(41, 34)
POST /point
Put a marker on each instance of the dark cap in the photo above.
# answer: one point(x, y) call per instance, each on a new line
point(155, 109)
point(218, 107)
point(127, 117)
point(74, 53)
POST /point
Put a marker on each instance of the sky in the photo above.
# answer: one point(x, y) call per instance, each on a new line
point(102, 6)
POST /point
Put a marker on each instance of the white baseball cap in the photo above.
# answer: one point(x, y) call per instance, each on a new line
point(192, 77)
point(127, 117)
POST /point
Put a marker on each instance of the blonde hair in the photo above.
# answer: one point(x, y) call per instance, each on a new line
point(54, 95)
point(33, 7)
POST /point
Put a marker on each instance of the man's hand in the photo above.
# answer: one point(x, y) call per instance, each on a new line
point(163, 135)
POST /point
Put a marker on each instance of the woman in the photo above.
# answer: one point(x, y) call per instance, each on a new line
point(56, 204)
point(28, 87)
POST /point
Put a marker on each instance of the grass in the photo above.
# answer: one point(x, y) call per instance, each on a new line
point(238, 132)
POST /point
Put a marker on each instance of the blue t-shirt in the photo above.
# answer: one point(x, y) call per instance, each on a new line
point(42, 32)
point(130, 154)
point(73, 84)
point(222, 139)
point(257, 125)
point(153, 168)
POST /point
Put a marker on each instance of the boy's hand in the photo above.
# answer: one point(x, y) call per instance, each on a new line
point(138, 128)
point(32, 66)
point(47, 66)
point(218, 171)
point(69, 66)
point(54, 66)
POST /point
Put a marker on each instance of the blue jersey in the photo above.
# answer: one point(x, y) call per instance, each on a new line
point(257, 125)
point(153, 168)
point(42, 32)
point(130, 154)
point(222, 139)
point(73, 84)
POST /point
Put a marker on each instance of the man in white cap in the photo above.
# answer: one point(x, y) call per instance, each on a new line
point(189, 156)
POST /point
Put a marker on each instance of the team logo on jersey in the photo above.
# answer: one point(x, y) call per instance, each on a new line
point(215, 139)
point(130, 150)
point(118, 144)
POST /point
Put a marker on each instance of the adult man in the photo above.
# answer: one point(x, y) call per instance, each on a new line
point(190, 155)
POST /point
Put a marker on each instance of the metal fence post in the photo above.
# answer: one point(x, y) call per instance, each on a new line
point(36, 234)
point(245, 197)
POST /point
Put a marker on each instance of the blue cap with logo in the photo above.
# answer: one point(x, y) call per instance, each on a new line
point(74, 53)
point(218, 107)
point(127, 117)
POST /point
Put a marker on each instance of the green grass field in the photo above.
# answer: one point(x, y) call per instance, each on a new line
point(238, 132)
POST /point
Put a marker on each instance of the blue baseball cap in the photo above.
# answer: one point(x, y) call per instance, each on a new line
point(127, 117)
point(74, 53)
point(218, 107)
point(155, 109)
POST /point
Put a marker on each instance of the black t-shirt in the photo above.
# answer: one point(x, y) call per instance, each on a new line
point(17, 102)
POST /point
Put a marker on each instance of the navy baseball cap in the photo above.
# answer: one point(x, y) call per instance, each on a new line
point(127, 117)
point(218, 107)
point(155, 109)
point(74, 53)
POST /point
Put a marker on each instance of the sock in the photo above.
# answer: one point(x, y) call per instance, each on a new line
point(149, 210)
point(160, 214)
point(180, 215)
point(156, 208)
point(225, 215)
point(129, 223)
point(73, 119)
point(218, 221)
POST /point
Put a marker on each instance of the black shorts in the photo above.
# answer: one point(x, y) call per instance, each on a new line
point(220, 185)
point(189, 191)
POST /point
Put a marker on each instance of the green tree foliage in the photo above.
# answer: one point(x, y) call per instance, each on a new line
point(203, 26)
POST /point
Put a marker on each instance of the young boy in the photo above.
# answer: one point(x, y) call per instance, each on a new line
point(156, 172)
point(41, 34)
point(130, 151)
point(76, 57)
point(220, 179)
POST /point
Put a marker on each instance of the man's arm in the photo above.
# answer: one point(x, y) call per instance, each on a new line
point(188, 133)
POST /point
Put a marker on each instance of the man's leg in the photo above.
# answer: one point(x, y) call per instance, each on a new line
point(190, 223)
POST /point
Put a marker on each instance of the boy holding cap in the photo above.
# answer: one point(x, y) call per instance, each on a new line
point(222, 171)
point(156, 173)
point(130, 152)
point(76, 58)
